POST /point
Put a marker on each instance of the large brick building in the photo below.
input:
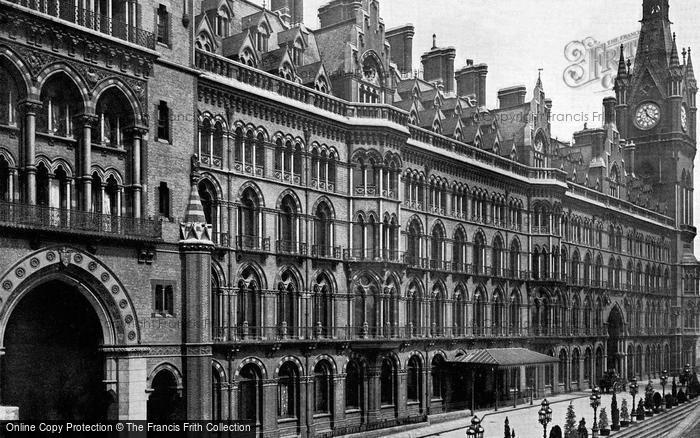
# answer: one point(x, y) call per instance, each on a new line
point(209, 210)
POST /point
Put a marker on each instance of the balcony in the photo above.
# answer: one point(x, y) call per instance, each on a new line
point(72, 11)
point(252, 243)
point(326, 252)
point(290, 247)
point(35, 217)
point(373, 255)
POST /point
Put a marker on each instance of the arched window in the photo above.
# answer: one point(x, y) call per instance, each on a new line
point(249, 305)
point(479, 253)
point(323, 382)
point(437, 371)
point(437, 305)
point(437, 245)
point(459, 246)
point(458, 310)
point(413, 243)
point(250, 394)
point(61, 102)
point(413, 380)
point(575, 366)
point(323, 306)
point(514, 264)
point(288, 304)
point(288, 226)
point(497, 256)
point(42, 185)
point(323, 231)
point(353, 386)
point(249, 220)
point(5, 181)
point(8, 99)
point(210, 203)
point(514, 313)
point(288, 391)
point(387, 382)
point(479, 312)
point(562, 367)
point(413, 304)
point(114, 114)
point(497, 311)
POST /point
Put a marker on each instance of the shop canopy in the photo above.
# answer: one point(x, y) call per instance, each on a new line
point(504, 357)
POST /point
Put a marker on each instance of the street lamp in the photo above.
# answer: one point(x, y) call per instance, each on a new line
point(663, 379)
point(633, 392)
point(595, 402)
point(475, 430)
point(545, 414)
point(686, 374)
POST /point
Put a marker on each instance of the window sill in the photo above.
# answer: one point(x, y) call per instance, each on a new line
point(162, 315)
point(322, 415)
point(387, 406)
point(352, 411)
point(163, 141)
point(287, 420)
point(413, 403)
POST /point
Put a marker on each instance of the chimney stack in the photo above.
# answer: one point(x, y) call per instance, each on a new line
point(439, 65)
point(609, 114)
point(401, 41)
point(511, 96)
point(472, 80)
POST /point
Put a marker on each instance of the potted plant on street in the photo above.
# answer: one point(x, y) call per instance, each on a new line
point(570, 424)
point(649, 399)
point(603, 423)
point(614, 413)
point(624, 414)
point(658, 402)
point(669, 401)
point(640, 410)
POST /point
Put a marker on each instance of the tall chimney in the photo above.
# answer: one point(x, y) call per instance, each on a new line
point(439, 65)
point(401, 40)
point(511, 96)
point(472, 80)
point(609, 104)
point(290, 10)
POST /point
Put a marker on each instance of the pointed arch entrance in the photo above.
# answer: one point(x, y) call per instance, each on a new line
point(616, 332)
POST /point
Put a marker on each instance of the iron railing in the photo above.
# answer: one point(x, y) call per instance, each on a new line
point(252, 243)
point(59, 219)
point(72, 11)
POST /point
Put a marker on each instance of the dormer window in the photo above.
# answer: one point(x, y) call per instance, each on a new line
point(222, 22)
point(262, 38)
point(297, 52)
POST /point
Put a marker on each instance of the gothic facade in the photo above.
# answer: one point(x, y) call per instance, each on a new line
point(254, 220)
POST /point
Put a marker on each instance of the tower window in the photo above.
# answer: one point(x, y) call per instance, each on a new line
point(163, 121)
point(164, 200)
point(162, 25)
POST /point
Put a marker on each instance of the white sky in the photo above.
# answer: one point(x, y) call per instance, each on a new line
point(518, 37)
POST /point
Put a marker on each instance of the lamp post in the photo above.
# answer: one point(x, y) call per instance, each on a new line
point(686, 375)
point(633, 392)
point(545, 414)
point(663, 379)
point(475, 430)
point(595, 402)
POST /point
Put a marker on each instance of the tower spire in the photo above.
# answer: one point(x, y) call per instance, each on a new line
point(621, 67)
point(689, 72)
point(674, 60)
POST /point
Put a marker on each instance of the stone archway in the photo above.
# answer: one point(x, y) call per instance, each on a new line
point(616, 332)
point(52, 367)
point(97, 331)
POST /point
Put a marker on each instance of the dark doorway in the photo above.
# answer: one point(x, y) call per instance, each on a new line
point(53, 369)
point(164, 402)
point(616, 330)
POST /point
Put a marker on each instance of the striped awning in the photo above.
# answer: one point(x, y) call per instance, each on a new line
point(504, 357)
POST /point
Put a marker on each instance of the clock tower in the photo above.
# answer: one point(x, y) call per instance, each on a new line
point(657, 112)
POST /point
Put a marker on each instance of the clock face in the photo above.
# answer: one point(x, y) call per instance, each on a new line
point(684, 119)
point(647, 116)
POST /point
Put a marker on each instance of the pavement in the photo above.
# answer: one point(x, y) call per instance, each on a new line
point(524, 419)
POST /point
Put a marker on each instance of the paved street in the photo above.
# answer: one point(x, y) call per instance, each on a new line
point(525, 421)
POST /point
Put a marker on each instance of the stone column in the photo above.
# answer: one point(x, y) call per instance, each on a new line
point(30, 108)
point(195, 249)
point(86, 121)
point(137, 133)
